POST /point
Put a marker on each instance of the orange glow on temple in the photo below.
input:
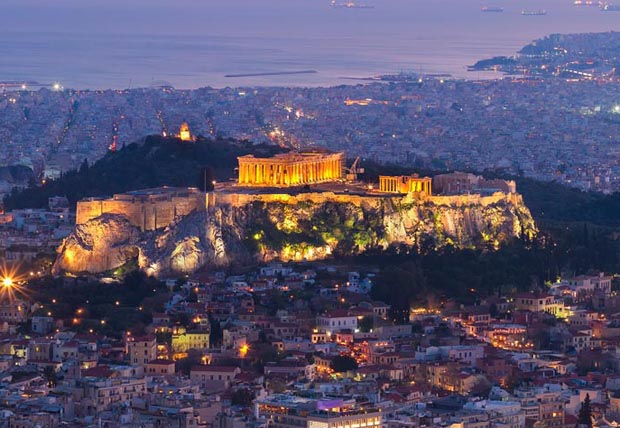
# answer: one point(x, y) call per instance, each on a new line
point(290, 169)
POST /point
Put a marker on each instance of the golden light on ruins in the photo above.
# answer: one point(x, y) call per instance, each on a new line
point(291, 169)
point(406, 184)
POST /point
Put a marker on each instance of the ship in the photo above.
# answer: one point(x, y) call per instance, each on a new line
point(538, 12)
point(607, 7)
point(585, 3)
point(492, 9)
point(351, 5)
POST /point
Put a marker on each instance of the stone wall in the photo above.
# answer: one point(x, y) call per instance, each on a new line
point(242, 199)
point(146, 214)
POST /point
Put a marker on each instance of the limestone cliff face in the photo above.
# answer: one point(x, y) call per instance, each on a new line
point(269, 228)
point(103, 243)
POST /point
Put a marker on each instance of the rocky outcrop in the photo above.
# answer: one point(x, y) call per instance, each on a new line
point(103, 243)
point(269, 228)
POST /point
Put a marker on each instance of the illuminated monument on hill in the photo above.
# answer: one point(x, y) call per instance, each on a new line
point(184, 132)
point(279, 178)
point(291, 169)
point(180, 230)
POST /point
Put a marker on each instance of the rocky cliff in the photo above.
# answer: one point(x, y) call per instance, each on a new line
point(291, 228)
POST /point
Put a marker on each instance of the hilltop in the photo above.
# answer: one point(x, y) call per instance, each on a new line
point(154, 162)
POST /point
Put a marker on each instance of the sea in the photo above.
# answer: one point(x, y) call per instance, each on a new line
point(100, 44)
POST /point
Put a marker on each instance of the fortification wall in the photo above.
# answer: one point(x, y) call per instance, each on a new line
point(145, 214)
point(241, 199)
point(88, 209)
point(157, 214)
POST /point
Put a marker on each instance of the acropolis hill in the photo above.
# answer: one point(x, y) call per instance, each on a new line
point(293, 206)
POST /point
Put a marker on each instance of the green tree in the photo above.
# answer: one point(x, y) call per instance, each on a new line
point(184, 365)
point(343, 363)
point(585, 412)
point(242, 397)
point(366, 324)
point(49, 373)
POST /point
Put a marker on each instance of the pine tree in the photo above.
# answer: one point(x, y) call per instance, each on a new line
point(84, 167)
point(585, 412)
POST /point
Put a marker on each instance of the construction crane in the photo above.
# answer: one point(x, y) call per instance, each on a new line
point(351, 173)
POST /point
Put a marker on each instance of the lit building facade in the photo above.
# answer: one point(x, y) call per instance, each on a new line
point(184, 132)
point(142, 350)
point(183, 341)
point(405, 184)
point(290, 169)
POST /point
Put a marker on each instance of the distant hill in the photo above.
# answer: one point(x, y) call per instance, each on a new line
point(158, 161)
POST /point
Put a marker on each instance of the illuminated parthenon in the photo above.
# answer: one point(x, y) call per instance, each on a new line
point(290, 169)
point(405, 184)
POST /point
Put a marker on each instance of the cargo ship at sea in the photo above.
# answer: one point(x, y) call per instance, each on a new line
point(607, 7)
point(586, 3)
point(351, 5)
point(538, 12)
point(492, 9)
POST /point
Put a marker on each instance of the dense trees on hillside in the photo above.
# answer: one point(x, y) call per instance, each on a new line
point(156, 162)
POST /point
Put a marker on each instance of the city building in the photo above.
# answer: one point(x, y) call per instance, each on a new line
point(142, 350)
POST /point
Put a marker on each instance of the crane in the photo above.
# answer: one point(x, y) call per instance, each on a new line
point(351, 173)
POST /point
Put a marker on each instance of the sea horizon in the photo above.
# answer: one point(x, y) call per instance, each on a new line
point(190, 45)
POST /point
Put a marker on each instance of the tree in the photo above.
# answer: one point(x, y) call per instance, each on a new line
point(242, 397)
point(585, 412)
point(184, 365)
point(343, 363)
point(49, 373)
point(84, 167)
point(365, 324)
point(217, 334)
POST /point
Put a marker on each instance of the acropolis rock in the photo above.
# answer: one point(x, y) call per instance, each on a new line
point(242, 228)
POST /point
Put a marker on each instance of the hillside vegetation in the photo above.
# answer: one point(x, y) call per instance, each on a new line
point(156, 162)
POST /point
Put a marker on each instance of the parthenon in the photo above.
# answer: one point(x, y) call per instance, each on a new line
point(290, 169)
point(405, 184)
